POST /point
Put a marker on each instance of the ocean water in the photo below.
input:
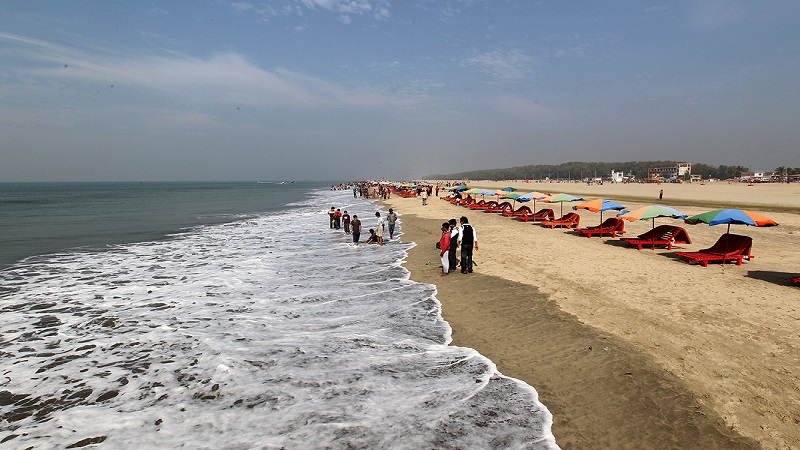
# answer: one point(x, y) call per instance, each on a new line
point(255, 329)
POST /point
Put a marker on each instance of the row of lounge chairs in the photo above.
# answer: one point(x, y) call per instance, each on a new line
point(729, 247)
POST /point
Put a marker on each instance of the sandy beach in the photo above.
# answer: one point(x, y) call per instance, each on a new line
point(633, 349)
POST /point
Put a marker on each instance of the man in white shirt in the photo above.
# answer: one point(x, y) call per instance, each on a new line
point(379, 227)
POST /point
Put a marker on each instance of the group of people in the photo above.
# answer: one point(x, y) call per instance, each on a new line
point(455, 235)
point(354, 227)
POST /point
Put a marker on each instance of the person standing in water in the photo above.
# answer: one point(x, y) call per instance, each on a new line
point(379, 227)
point(391, 219)
point(355, 227)
point(346, 222)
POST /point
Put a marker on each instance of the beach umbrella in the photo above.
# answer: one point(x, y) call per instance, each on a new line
point(599, 205)
point(513, 197)
point(651, 213)
point(561, 198)
point(532, 196)
point(731, 216)
point(509, 189)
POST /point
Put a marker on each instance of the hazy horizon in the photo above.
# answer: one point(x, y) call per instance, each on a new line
point(370, 89)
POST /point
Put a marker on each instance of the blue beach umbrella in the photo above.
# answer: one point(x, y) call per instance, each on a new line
point(599, 205)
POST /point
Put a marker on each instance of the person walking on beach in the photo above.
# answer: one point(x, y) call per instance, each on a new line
point(346, 222)
point(467, 239)
point(391, 218)
point(444, 245)
point(355, 227)
point(437, 190)
point(660, 194)
point(424, 195)
point(379, 227)
point(453, 225)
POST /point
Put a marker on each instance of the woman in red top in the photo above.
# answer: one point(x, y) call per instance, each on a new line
point(444, 245)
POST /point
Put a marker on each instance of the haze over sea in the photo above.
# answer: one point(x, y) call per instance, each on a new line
point(228, 315)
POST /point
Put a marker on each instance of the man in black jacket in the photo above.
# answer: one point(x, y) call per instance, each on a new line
point(453, 244)
point(467, 239)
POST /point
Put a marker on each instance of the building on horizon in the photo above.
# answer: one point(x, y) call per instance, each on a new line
point(670, 172)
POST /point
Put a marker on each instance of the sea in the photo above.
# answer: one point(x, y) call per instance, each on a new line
point(230, 316)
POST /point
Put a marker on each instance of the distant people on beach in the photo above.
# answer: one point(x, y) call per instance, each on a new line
point(379, 227)
point(355, 227)
point(391, 219)
point(467, 239)
point(444, 246)
point(424, 195)
point(346, 222)
point(660, 194)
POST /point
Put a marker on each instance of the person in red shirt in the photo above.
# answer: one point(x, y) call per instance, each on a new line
point(337, 219)
point(444, 246)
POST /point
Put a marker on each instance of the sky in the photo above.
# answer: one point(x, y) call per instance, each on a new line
point(109, 90)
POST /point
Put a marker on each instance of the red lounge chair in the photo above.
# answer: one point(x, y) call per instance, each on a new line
point(729, 247)
point(543, 214)
point(499, 208)
point(796, 280)
point(610, 227)
point(477, 205)
point(487, 205)
point(569, 220)
point(520, 211)
point(468, 201)
point(662, 235)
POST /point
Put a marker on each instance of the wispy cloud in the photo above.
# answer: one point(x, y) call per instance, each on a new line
point(709, 14)
point(223, 78)
point(343, 9)
point(502, 65)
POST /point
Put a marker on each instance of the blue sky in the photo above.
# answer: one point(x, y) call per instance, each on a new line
point(355, 89)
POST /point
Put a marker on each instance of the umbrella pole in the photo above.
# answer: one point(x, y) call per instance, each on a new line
point(725, 248)
point(652, 236)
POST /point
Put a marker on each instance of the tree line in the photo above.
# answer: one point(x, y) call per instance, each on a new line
point(584, 170)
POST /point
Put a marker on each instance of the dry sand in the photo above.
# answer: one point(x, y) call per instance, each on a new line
point(633, 349)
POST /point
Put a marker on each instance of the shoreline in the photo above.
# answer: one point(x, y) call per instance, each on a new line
point(617, 372)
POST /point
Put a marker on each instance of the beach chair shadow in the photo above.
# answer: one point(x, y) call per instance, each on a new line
point(771, 276)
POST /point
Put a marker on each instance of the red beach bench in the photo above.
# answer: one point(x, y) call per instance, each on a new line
point(610, 227)
point(569, 220)
point(542, 214)
point(729, 247)
point(662, 235)
point(499, 207)
point(520, 211)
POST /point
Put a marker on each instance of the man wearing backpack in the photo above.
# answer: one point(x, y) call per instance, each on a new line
point(467, 239)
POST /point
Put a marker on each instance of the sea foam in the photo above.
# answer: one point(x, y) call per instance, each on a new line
point(265, 333)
